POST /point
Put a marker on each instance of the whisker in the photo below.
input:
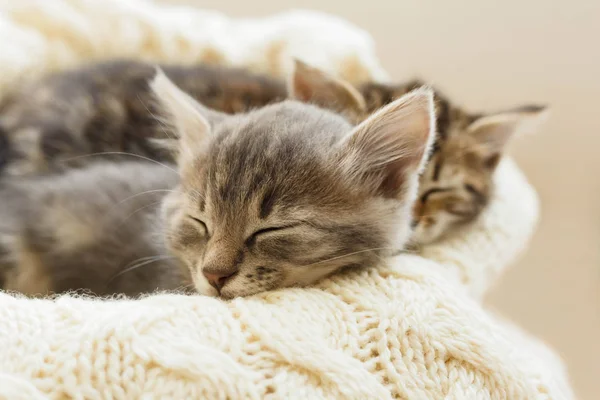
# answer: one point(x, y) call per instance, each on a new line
point(114, 207)
point(196, 193)
point(145, 192)
point(189, 285)
point(159, 119)
point(163, 124)
point(121, 153)
point(184, 288)
point(139, 264)
point(134, 262)
point(136, 211)
point(349, 254)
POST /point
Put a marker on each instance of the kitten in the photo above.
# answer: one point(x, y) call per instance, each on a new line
point(107, 108)
point(93, 229)
point(276, 197)
point(457, 182)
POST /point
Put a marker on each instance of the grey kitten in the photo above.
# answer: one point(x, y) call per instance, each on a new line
point(277, 197)
point(94, 229)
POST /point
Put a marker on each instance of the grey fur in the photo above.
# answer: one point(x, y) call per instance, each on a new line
point(80, 230)
point(275, 197)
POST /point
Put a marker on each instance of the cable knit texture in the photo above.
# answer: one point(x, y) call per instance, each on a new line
point(409, 328)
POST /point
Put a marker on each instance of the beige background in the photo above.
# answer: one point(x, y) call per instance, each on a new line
point(497, 55)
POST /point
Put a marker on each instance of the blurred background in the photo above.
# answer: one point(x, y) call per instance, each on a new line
point(489, 56)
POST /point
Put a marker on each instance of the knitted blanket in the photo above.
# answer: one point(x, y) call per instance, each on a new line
point(409, 328)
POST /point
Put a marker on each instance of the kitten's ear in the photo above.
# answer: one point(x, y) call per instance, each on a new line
point(389, 149)
point(311, 85)
point(493, 131)
point(191, 120)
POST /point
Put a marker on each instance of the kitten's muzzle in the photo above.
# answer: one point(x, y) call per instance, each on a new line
point(218, 279)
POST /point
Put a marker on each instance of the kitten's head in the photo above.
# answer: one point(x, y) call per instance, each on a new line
point(287, 194)
point(457, 183)
point(458, 180)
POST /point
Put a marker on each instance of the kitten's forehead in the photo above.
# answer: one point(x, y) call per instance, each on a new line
point(298, 121)
point(288, 133)
point(275, 156)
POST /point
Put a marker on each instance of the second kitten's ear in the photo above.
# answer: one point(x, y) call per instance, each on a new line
point(311, 85)
point(191, 120)
point(493, 131)
point(389, 149)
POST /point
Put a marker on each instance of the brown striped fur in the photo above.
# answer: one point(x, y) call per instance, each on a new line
point(457, 182)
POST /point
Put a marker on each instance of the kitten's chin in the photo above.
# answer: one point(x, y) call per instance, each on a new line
point(301, 277)
point(203, 287)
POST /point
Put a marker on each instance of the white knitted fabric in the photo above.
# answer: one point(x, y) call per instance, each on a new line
point(411, 328)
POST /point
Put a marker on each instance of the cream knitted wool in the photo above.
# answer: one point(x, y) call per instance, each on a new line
point(409, 329)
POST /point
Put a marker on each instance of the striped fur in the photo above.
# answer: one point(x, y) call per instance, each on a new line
point(107, 109)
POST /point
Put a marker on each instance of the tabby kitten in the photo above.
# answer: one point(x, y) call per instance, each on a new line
point(107, 108)
point(276, 197)
point(93, 229)
point(457, 182)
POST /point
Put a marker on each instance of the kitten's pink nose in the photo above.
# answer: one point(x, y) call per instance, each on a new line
point(218, 279)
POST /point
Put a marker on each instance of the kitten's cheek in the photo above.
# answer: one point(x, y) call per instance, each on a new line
point(425, 232)
point(432, 229)
point(203, 287)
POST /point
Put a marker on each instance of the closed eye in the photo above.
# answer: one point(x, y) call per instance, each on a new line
point(470, 188)
point(265, 231)
point(428, 193)
point(461, 208)
point(200, 223)
point(475, 192)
